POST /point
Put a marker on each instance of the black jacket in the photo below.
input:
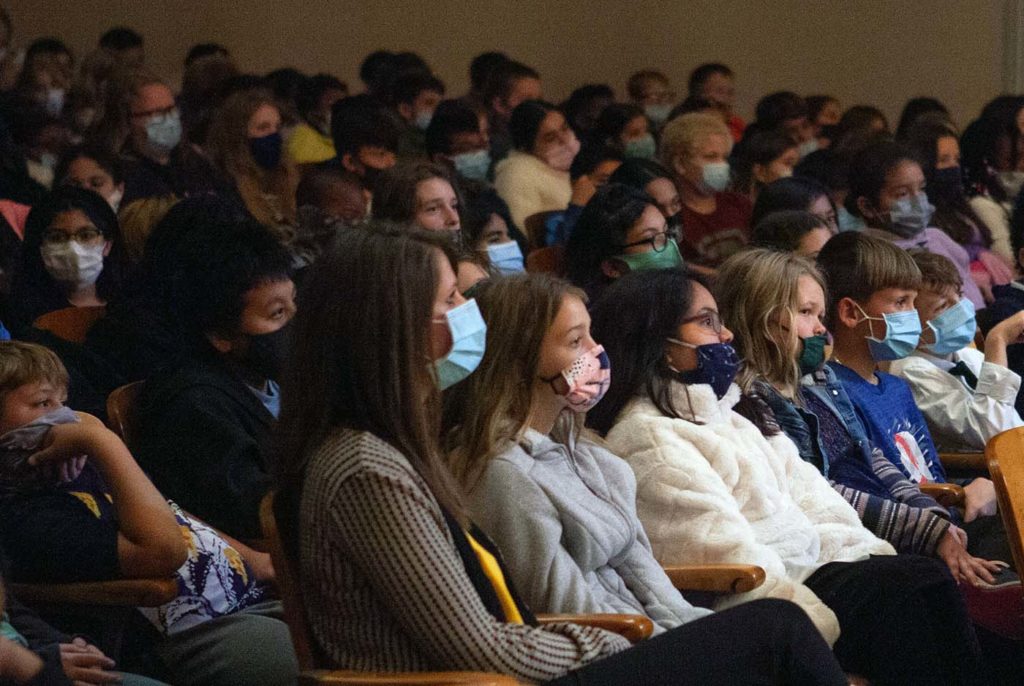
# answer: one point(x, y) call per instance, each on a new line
point(203, 439)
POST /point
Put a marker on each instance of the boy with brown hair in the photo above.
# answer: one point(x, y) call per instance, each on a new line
point(966, 395)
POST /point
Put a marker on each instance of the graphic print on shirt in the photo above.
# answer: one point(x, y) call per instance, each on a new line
point(912, 456)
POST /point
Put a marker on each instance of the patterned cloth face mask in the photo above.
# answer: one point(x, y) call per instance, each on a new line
point(588, 379)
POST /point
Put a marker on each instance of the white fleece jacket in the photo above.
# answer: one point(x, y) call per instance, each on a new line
point(711, 488)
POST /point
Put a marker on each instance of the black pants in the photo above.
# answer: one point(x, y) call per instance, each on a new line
point(903, 621)
point(761, 642)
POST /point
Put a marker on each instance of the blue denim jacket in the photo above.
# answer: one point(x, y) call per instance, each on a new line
point(802, 426)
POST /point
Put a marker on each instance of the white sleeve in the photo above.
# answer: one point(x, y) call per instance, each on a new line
point(998, 223)
point(692, 517)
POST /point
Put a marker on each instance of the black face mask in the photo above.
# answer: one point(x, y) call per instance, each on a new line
point(370, 176)
point(268, 352)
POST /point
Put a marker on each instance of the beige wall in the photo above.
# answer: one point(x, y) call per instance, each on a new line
point(862, 51)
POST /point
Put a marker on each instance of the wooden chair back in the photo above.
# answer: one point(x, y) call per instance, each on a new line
point(70, 323)
point(121, 411)
point(1006, 467)
point(289, 587)
point(549, 260)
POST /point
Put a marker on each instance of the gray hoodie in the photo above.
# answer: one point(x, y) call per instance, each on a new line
point(563, 514)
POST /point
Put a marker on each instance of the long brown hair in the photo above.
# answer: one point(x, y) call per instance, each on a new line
point(519, 310)
point(361, 352)
point(227, 144)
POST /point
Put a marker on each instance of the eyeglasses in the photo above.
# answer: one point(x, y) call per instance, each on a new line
point(709, 320)
point(81, 236)
point(658, 242)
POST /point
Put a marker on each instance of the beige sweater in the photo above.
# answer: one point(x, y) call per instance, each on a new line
point(530, 186)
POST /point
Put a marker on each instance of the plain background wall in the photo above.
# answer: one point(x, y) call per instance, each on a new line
point(862, 51)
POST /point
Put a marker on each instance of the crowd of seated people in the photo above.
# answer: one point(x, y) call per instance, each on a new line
point(496, 357)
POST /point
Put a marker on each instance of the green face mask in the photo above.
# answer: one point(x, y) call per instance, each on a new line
point(812, 356)
point(666, 259)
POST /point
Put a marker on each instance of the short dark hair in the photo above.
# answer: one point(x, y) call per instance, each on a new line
point(783, 230)
point(857, 265)
point(46, 46)
point(201, 50)
point(360, 121)
point(581, 99)
point(218, 265)
point(700, 75)
point(914, 108)
point(937, 271)
point(410, 84)
point(760, 147)
point(775, 108)
point(318, 179)
point(102, 156)
point(373, 66)
point(816, 103)
point(613, 121)
point(307, 98)
point(637, 173)
point(591, 155)
point(503, 78)
point(482, 66)
point(481, 202)
point(791, 193)
point(450, 117)
point(120, 38)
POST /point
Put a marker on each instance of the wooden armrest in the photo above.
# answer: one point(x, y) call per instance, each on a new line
point(121, 593)
point(323, 676)
point(723, 578)
point(632, 627)
point(947, 495)
point(965, 461)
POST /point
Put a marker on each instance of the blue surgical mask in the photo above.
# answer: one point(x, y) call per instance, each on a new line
point(717, 365)
point(54, 101)
point(469, 339)
point(902, 334)
point(910, 216)
point(658, 113)
point(473, 165)
point(716, 176)
point(163, 133)
point(507, 257)
point(848, 221)
point(266, 150)
point(954, 328)
point(422, 120)
point(642, 148)
point(807, 147)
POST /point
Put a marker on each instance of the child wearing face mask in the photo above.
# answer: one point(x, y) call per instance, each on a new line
point(714, 486)
point(872, 287)
point(72, 256)
point(206, 418)
point(967, 396)
point(78, 508)
point(887, 191)
point(534, 178)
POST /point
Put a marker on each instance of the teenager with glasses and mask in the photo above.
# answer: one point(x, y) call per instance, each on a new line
point(72, 256)
point(715, 486)
point(397, 576)
point(620, 230)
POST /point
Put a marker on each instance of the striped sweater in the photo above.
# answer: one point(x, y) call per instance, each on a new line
point(386, 589)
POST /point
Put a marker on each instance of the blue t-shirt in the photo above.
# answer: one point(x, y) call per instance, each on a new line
point(893, 422)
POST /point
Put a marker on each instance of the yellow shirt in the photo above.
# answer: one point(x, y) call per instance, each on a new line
point(308, 146)
point(492, 570)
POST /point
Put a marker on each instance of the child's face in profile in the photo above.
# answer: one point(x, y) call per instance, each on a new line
point(29, 402)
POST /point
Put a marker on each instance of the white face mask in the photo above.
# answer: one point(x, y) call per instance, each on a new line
point(73, 263)
point(560, 156)
point(114, 199)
